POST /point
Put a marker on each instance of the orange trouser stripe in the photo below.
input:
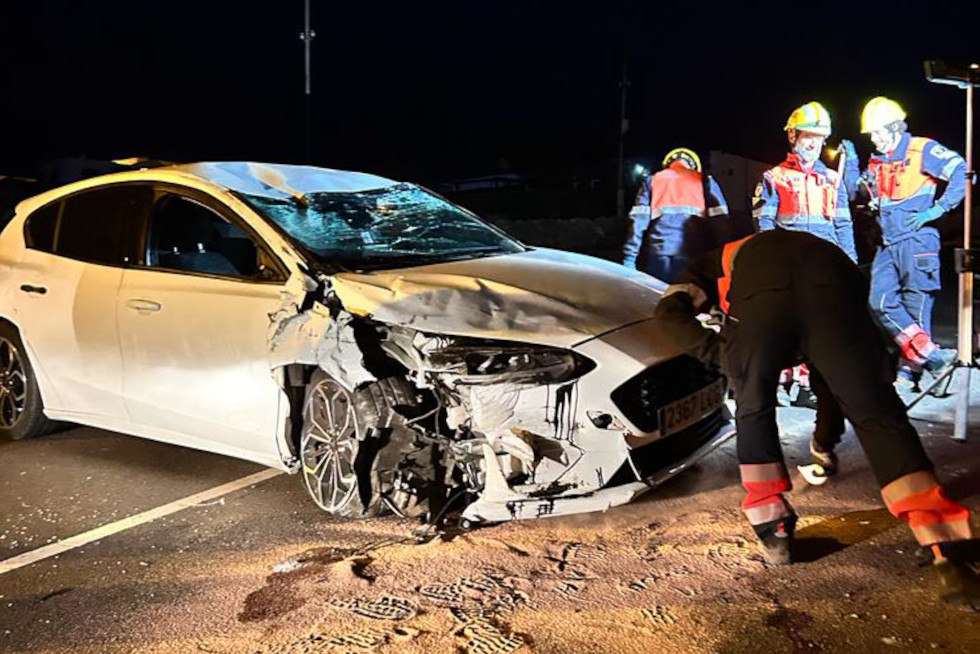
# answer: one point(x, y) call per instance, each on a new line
point(764, 485)
point(918, 499)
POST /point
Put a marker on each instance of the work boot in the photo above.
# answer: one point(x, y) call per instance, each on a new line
point(823, 467)
point(940, 360)
point(805, 398)
point(776, 540)
point(957, 567)
point(906, 385)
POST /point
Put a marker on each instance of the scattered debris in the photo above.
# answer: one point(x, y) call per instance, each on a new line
point(286, 566)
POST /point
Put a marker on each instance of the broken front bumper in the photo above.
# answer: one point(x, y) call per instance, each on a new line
point(611, 447)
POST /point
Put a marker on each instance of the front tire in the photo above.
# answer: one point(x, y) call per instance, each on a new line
point(21, 408)
point(330, 445)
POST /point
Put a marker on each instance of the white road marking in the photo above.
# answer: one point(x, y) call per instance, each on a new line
point(41, 553)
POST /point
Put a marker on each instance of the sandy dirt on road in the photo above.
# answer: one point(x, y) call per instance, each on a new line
point(690, 583)
point(677, 571)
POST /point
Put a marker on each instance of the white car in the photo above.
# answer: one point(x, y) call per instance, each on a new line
point(392, 348)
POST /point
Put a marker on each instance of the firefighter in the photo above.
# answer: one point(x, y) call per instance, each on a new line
point(787, 294)
point(902, 179)
point(665, 231)
point(801, 193)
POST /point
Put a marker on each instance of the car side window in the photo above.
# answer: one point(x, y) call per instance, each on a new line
point(187, 235)
point(96, 225)
point(40, 227)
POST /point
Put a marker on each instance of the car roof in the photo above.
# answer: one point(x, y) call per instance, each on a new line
point(280, 180)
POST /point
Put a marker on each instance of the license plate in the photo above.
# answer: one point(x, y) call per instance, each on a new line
point(685, 412)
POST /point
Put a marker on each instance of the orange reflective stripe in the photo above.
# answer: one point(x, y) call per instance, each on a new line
point(727, 267)
point(897, 180)
point(918, 499)
point(764, 485)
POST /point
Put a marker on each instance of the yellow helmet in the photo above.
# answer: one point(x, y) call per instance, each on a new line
point(811, 117)
point(686, 155)
point(880, 112)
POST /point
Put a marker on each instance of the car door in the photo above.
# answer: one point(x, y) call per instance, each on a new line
point(194, 319)
point(66, 297)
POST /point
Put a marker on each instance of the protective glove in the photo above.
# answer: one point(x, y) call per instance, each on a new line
point(848, 149)
point(917, 220)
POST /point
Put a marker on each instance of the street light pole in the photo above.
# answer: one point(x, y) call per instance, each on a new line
point(623, 126)
point(307, 36)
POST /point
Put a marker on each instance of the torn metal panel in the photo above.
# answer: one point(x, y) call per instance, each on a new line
point(316, 337)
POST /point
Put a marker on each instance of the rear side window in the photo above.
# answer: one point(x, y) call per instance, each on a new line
point(103, 225)
point(41, 226)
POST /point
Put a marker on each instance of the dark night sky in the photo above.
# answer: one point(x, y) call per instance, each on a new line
point(439, 90)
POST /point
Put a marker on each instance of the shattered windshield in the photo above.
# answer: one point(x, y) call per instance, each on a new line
point(396, 225)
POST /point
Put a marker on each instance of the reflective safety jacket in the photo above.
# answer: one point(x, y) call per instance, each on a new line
point(665, 202)
point(790, 197)
point(904, 182)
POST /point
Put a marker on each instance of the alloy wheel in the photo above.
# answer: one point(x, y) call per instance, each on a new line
point(13, 384)
point(329, 447)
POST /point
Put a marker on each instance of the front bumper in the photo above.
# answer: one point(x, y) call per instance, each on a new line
point(601, 467)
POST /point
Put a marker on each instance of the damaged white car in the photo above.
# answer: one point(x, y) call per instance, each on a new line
point(390, 347)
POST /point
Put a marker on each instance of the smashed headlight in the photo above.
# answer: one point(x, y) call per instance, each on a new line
point(475, 361)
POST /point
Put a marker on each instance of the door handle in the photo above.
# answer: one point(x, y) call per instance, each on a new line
point(27, 288)
point(144, 306)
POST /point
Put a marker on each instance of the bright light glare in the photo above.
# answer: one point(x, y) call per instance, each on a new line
point(638, 170)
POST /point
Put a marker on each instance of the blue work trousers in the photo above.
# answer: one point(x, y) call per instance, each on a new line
point(664, 267)
point(905, 280)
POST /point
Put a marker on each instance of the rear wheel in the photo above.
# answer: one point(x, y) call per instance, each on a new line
point(21, 408)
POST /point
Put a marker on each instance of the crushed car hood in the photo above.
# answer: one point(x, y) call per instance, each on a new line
point(540, 296)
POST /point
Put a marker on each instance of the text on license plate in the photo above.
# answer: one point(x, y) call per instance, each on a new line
point(687, 411)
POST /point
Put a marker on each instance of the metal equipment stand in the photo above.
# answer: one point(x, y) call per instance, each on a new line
point(965, 77)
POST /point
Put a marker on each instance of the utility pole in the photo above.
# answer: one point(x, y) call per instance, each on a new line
point(307, 36)
point(623, 127)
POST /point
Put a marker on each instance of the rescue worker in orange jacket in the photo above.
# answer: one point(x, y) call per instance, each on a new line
point(801, 193)
point(662, 235)
point(788, 294)
point(902, 179)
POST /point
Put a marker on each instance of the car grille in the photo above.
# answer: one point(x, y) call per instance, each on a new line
point(669, 451)
point(641, 398)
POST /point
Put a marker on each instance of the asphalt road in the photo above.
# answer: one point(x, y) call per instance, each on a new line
point(262, 571)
